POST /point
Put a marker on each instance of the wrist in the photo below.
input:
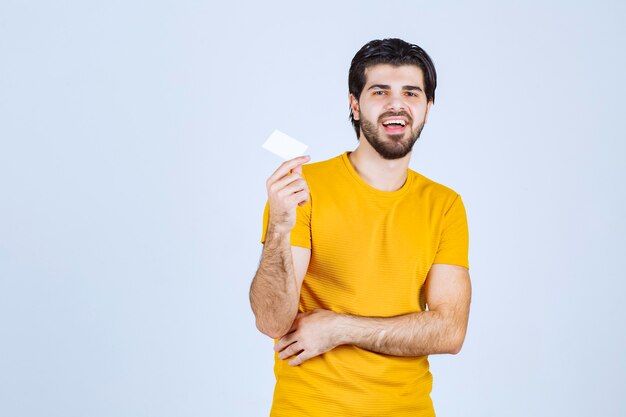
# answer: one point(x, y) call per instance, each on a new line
point(276, 231)
point(278, 225)
point(345, 329)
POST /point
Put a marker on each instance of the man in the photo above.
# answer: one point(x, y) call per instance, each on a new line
point(364, 269)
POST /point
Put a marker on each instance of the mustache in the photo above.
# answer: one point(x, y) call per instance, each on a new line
point(396, 114)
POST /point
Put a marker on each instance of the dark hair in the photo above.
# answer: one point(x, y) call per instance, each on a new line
point(395, 52)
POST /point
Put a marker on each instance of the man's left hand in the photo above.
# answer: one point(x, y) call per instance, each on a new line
point(311, 334)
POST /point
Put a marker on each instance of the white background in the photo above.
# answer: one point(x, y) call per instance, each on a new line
point(132, 184)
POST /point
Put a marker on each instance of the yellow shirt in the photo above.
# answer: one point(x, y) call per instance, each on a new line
point(370, 253)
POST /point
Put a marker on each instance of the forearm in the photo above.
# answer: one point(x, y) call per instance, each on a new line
point(414, 334)
point(274, 293)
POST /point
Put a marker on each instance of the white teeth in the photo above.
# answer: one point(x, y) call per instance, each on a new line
point(394, 122)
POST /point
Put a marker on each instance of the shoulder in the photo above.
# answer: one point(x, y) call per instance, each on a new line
point(434, 187)
point(424, 187)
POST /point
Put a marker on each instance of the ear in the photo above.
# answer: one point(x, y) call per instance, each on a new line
point(428, 106)
point(354, 105)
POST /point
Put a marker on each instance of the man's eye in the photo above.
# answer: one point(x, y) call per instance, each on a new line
point(411, 94)
point(379, 93)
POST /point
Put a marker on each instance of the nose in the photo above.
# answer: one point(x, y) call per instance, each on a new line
point(395, 103)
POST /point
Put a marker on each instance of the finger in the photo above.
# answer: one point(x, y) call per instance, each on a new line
point(284, 341)
point(285, 181)
point(287, 166)
point(293, 181)
point(290, 351)
point(293, 188)
point(303, 356)
point(297, 170)
point(300, 198)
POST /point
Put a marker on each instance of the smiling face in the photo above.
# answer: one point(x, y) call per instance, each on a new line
point(392, 108)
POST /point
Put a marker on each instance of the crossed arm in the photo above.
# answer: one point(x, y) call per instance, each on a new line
point(275, 294)
point(440, 329)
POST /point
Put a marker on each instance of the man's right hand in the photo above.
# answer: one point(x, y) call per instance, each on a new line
point(286, 189)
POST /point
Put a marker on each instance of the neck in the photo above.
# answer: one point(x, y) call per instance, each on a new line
point(382, 174)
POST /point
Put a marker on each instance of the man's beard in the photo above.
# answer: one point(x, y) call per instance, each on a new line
point(395, 148)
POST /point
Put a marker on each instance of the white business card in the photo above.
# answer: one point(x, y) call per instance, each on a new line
point(283, 145)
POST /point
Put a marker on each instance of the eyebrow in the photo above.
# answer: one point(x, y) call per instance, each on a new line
point(404, 87)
